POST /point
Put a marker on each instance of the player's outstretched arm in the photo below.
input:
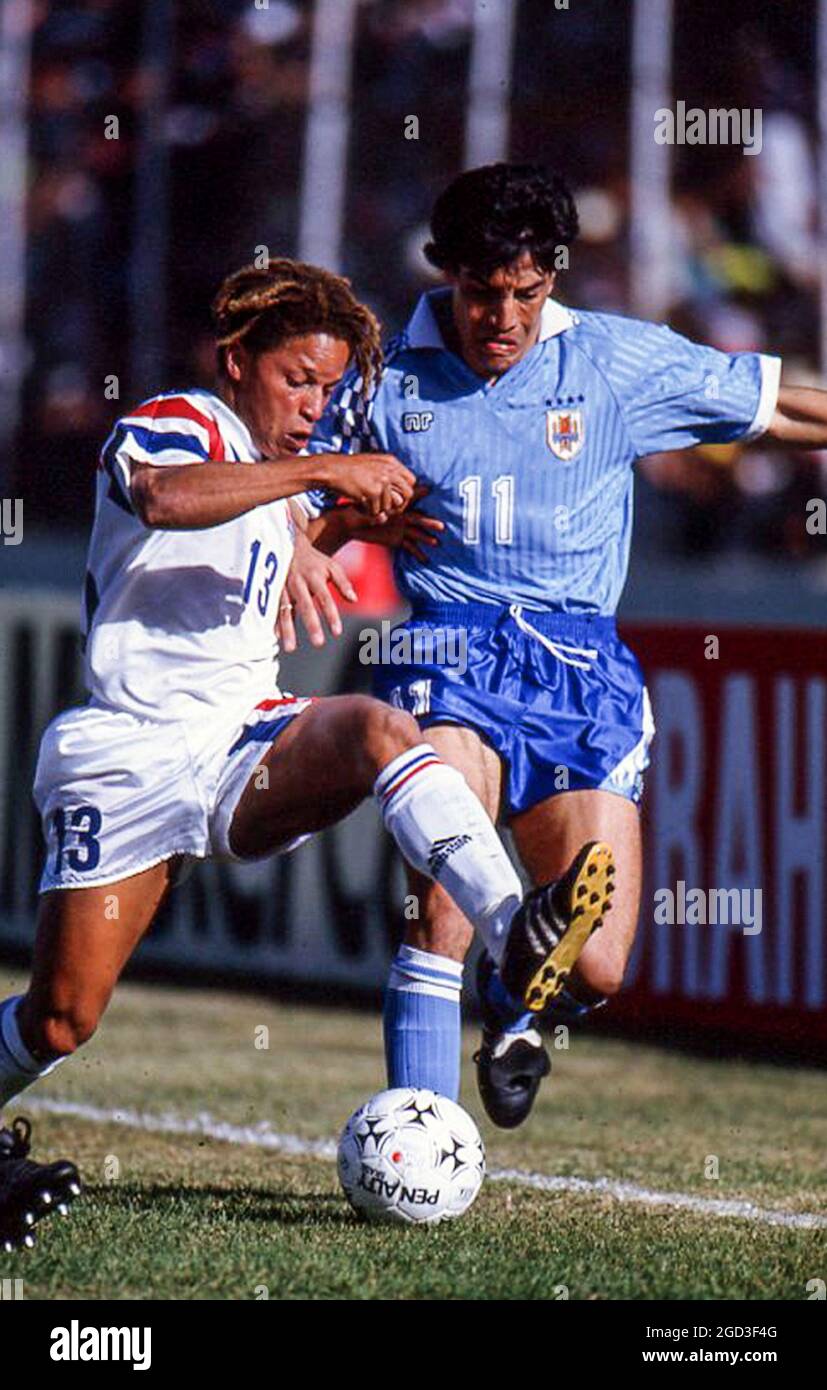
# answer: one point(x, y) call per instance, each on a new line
point(800, 417)
point(409, 529)
point(193, 496)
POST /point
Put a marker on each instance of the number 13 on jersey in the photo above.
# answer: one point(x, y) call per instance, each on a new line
point(268, 575)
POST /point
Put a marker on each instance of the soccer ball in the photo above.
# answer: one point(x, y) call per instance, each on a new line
point(410, 1156)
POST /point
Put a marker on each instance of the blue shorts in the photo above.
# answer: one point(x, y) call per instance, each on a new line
point(559, 697)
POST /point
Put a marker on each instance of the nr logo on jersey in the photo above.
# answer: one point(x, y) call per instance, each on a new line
point(565, 433)
point(415, 421)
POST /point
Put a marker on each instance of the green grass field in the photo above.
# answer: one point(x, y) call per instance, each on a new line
point(183, 1216)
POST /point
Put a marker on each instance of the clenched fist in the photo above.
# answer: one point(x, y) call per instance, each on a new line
point(378, 483)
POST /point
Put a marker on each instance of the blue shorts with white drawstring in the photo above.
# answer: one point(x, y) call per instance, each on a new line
point(558, 696)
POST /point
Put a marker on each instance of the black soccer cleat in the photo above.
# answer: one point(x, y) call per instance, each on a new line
point(28, 1190)
point(510, 1066)
point(552, 926)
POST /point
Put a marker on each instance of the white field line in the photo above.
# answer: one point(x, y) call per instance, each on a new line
point(263, 1137)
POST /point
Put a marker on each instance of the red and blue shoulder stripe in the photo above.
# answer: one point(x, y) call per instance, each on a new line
point(180, 408)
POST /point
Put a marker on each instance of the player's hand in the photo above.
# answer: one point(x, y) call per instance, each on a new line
point(378, 483)
point(410, 530)
point(306, 592)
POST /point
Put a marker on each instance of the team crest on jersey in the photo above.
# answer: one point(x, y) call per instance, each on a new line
point(565, 433)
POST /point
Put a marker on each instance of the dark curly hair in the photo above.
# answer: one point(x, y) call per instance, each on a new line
point(487, 217)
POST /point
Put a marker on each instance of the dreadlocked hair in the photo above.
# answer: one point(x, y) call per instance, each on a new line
point(263, 306)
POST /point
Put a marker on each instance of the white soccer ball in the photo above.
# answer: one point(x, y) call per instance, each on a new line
point(410, 1156)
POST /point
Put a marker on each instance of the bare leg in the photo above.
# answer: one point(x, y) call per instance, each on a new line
point(84, 938)
point(322, 765)
point(547, 839)
point(80, 950)
point(341, 749)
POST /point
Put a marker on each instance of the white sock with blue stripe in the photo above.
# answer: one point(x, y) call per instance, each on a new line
point(422, 1021)
point(18, 1068)
point(442, 829)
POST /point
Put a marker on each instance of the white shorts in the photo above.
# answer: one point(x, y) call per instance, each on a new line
point(118, 794)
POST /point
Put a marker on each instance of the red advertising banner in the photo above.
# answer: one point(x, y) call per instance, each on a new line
point(732, 936)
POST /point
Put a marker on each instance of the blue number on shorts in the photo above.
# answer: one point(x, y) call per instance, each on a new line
point(272, 565)
point(87, 834)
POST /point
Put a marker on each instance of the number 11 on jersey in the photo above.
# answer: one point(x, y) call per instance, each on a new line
point(502, 491)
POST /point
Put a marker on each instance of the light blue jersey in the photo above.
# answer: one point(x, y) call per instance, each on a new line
point(532, 474)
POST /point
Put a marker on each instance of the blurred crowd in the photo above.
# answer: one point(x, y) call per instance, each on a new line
point(236, 74)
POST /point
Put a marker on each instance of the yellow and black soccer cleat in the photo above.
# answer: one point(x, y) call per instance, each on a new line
point(553, 924)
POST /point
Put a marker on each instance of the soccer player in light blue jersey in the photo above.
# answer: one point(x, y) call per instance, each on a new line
point(190, 551)
point(523, 419)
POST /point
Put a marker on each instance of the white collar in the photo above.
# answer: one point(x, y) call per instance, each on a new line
point(555, 319)
point(423, 329)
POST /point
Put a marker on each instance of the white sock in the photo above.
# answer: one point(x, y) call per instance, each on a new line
point(442, 829)
point(18, 1068)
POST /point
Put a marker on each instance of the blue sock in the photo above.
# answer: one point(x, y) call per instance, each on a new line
point(565, 1009)
point(422, 1021)
point(514, 1018)
point(567, 1006)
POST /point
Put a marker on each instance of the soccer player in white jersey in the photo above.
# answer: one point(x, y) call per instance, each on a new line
point(187, 749)
point(522, 420)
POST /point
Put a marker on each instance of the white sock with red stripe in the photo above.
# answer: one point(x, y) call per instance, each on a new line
point(442, 829)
